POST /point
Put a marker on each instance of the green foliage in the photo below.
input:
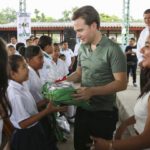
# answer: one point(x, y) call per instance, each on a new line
point(7, 15)
point(106, 18)
point(40, 17)
point(135, 20)
point(67, 14)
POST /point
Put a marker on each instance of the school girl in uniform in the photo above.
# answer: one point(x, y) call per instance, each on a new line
point(29, 133)
point(34, 57)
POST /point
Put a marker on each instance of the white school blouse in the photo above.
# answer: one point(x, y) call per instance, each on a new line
point(61, 69)
point(34, 84)
point(22, 102)
point(47, 73)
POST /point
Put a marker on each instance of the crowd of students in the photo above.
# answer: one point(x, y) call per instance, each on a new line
point(30, 66)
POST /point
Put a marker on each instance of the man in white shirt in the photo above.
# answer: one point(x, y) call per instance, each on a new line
point(69, 55)
point(141, 42)
point(76, 48)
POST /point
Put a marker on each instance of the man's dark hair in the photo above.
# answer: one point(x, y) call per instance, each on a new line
point(147, 11)
point(89, 14)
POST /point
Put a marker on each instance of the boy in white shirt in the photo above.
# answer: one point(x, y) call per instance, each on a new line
point(47, 72)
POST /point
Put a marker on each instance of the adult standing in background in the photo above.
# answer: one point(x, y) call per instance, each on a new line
point(4, 104)
point(102, 72)
point(70, 59)
point(131, 59)
point(13, 41)
point(76, 49)
point(141, 42)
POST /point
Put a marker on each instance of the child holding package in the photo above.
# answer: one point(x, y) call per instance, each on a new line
point(29, 133)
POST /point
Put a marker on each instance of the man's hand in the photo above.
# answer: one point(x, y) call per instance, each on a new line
point(83, 93)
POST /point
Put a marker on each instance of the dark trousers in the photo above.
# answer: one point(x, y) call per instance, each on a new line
point(132, 69)
point(99, 124)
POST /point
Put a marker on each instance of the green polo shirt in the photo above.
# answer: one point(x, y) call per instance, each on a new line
point(98, 67)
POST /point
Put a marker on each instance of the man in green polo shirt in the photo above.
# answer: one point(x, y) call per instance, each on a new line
point(102, 72)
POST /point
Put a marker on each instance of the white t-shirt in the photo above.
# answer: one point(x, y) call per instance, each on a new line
point(22, 102)
point(76, 49)
point(141, 42)
point(34, 84)
point(69, 54)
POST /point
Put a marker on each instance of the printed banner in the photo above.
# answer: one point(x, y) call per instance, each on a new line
point(23, 27)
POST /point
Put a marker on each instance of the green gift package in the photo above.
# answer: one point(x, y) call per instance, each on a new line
point(61, 94)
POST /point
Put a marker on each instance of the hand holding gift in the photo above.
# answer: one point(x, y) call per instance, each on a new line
point(83, 93)
point(63, 93)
